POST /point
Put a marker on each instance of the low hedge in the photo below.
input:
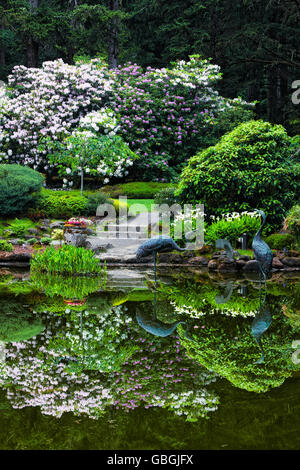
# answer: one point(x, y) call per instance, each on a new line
point(19, 186)
point(136, 190)
point(65, 204)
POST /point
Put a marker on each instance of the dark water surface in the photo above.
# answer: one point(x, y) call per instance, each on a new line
point(200, 364)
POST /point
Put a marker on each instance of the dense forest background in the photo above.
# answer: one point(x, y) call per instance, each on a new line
point(255, 42)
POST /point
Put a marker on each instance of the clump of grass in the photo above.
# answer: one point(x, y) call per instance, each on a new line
point(5, 246)
point(67, 260)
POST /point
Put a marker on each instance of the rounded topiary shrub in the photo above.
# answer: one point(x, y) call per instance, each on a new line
point(251, 167)
point(18, 188)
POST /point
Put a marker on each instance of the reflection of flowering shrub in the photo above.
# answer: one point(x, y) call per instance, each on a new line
point(97, 343)
point(195, 300)
point(229, 349)
point(53, 371)
point(160, 374)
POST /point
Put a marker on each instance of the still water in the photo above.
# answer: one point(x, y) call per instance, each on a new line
point(197, 363)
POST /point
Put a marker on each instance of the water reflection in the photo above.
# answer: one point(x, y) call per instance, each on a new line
point(261, 324)
point(86, 358)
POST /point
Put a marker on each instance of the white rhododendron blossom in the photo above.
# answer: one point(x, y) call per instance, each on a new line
point(100, 120)
point(49, 101)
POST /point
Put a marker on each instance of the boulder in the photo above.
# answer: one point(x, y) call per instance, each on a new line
point(46, 222)
point(245, 258)
point(97, 246)
point(58, 224)
point(291, 262)
point(277, 264)
point(16, 257)
point(198, 261)
point(212, 264)
point(226, 265)
point(251, 265)
point(240, 263)
point(33, 231)
point(76, 238)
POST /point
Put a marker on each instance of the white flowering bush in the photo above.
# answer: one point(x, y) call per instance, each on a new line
point(83, 152)
point(49, 101)
point(103, 121)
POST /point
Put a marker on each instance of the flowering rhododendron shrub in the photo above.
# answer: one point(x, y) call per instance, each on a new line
point(168, 114)
point(49, 101)
point(164, 115)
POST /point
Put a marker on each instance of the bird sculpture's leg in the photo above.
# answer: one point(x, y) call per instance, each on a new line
point(264, 276)
point(155, 284)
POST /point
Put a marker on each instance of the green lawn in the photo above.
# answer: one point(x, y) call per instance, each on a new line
point(146, 202)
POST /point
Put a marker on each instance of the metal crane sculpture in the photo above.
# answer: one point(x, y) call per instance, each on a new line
point(157, 245)
point(262, 252)
point(225, 245)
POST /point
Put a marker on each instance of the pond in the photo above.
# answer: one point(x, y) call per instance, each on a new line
point(195, 362)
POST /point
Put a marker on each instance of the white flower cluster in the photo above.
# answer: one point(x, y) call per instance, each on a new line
point(49, 102)
point(193, 404)
point(102, 120)
point(196, 313)
point(236, 215)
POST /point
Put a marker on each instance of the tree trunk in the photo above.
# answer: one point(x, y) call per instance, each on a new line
point(32, 44)
point(2, 50)
point(113, 32)
point(213, 31)
point(271, 93)
point(71, 49)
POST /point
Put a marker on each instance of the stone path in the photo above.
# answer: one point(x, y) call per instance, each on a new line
point(122, 240)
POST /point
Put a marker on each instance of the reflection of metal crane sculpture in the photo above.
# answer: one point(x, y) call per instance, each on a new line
point(260, 325)
point(223, 299)
point(155, 326)
point(262, 252)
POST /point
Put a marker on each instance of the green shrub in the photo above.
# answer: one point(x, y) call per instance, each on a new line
point(32, 241)
point(61, 204)
point(135, 190)
point(66, 260)
point(57, 234)
point(292, 221)
point(251, 167)
point(5, 246)
point(166, 196)
point(279, 241)
point(93, 201)
point(19, 227)
point(18, 188)
point(46, 240)
point(232, 228)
